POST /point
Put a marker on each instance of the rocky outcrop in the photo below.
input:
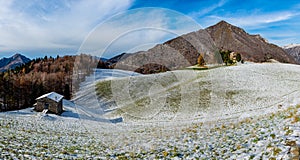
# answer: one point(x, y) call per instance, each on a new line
point(294, 51)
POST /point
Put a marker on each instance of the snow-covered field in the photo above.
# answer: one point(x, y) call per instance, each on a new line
point(222, 93)
point(239, 112)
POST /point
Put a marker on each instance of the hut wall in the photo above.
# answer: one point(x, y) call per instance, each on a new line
point(55, 107)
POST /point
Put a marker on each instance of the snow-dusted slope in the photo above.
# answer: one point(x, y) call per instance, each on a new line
point(225, 92)
point(239, 124)
point(86, 101)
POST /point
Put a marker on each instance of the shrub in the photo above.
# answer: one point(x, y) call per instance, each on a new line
point(238, 57)
point(201, 61)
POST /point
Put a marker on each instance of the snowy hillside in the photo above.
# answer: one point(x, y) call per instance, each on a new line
point(226, 92)
point(239, 112)
point(86, 101)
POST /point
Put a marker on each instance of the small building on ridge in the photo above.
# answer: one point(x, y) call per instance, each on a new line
point(50, 102)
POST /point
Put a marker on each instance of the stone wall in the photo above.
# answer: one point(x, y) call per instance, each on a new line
point(54, 107)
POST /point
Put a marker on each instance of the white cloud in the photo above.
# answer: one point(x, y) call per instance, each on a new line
point(255, 19)
point(207, 10)
point(137, 29)
point(42, 25)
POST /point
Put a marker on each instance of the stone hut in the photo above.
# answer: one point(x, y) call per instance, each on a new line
point(51, 102)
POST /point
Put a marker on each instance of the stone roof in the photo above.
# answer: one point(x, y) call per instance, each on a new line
point(53, 96)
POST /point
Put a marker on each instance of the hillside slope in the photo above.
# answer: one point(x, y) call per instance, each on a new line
point(294, 51)
point(174, 54)
point(270, 136)
point(224, 113)
point(188, 95)
point(252, 47)
point(183, 51)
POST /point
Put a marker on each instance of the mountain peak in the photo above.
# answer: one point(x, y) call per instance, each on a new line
point(222, 23)
point(16, 55)
point(12, 62)
point(225, 25)
point(252, 47)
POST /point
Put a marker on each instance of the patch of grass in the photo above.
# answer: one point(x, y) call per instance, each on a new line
point(142, 102)
point(291, 143)
point(196, 67)
point(273, 135)
point(167, 79)
point(122, 157)
point(255, 140)
point(276, 151)
point(165, 154)
point(230, 94)
point(296, 119)
point(103, 89)
point(289, 131)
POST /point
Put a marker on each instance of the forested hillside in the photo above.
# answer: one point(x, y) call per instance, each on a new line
point(21, 86)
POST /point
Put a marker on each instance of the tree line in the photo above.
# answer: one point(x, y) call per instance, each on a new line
point(20, 87)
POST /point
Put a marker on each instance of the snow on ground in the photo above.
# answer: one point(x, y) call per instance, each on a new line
point(222, 93)
point(267, 128)
point(86, 96)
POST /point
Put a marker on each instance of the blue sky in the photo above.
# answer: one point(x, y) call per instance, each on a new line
point(37, 28)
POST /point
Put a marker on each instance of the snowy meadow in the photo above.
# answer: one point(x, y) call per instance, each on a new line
point(240, 112)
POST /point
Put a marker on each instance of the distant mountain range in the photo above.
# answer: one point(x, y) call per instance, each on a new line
point(184, 50)
point(293, 50)
point(12, 62)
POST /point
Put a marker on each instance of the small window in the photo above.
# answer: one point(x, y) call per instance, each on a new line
point(46, 106)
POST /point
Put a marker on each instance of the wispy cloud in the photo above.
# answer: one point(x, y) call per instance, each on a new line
point(137, 29)
point(256, 19)
point(208, 9)
point(45, 25)
point(53, 27)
